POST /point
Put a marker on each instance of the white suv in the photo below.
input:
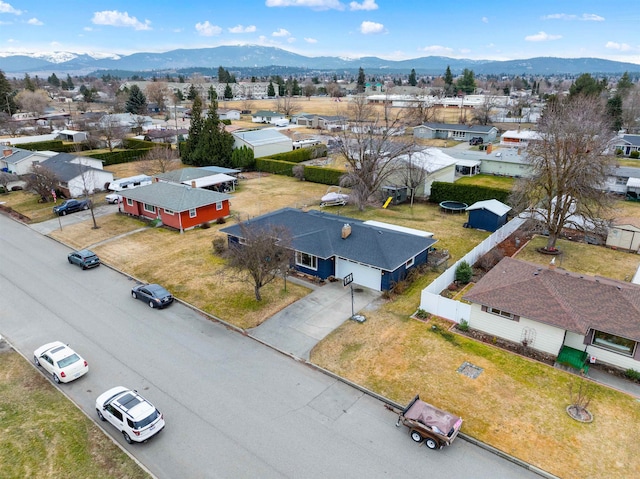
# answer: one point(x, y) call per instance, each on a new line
point(135, 417)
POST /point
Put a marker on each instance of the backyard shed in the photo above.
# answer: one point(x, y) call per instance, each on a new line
point(488, 215)
point(625, 237)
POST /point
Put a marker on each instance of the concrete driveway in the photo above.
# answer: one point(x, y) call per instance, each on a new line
point(299, 327)
point(46, 227)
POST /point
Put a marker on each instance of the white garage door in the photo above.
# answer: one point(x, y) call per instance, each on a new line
point(362, 275)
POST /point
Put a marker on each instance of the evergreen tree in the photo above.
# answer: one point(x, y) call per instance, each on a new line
point(228, 92)
point(295, 88)
point(195, 130)
point(28, 83)
point(6, 96)
point(179, 95)
point(271, 91)
point(412, 78)
point(586, 85)
point(53, 80)
point(193, 93)
point(242, 158)
point(448, 77)
point(361, 83)
point(614, 112)
point(69, 83)
point(222, 75)
point(215, 144)
point(137, 102)
point(213, 95)
point(624, 85)
point(467, 83)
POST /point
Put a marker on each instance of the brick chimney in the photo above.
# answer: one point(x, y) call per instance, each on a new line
point(7, 152)
point(193, 183)
point(346, 230)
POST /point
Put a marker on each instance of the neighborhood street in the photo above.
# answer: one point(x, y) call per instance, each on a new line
point(233, 406)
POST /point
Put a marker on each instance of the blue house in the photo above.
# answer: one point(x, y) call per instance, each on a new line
point(488, 215)
point(377, 254)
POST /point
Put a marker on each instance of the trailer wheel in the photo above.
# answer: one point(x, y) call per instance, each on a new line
point(431, 443)
point(415, 435)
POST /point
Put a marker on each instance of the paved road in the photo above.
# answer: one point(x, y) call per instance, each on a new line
point(234, 408)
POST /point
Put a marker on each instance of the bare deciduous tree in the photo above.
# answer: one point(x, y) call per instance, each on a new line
point(421, 111)
point(42, 181)
point(158, 92)
point(6, 178)
point(159, 160)
point(370, 147)
point(265, 254)
point(35, 101)
point(288, 105)
point(412, 173)
point(112, 131)
point(568, 168)
point(631, 109)
point(482, 112)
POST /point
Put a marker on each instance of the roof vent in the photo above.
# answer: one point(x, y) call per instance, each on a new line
point(346, 230)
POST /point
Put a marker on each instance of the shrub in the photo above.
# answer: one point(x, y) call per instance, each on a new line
point(421, 313)
point(219, 244)
point(464, 325)
point(464, 272)
point(634, 154)
point(618, 152)
point(632, 374)
point(469, 194)
point(298, 172)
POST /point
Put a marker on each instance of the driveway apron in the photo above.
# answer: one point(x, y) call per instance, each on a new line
point(300, 326)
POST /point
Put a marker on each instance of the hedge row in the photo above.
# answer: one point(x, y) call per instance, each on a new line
point(135, 144)
point(302, 154)
point(468, 194)
point(122, 156)
point(315, 174)
point(53, 145)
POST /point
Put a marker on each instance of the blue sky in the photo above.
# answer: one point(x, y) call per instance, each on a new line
point(391, 29)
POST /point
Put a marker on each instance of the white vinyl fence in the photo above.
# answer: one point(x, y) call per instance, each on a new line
point(433, 303)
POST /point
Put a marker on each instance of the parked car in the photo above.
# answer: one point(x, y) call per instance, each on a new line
point(113, 198)
point(62, 362)
point(476, 140)
point(135, 417)
point(437, 428)
point(84, 258)
point(152, 294)
point(71, 206)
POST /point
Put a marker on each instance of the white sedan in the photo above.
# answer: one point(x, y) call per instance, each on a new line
point(62, 362)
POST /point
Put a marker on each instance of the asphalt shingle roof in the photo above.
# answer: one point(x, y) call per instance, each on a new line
point(64, 167)
point(318, 233)
point(559, 298)
point(174, 197)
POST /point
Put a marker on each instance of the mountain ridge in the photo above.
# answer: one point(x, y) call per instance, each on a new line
point(238, 57)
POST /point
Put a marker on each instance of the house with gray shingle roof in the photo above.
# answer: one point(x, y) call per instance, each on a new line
point(19, 161)
point(78, 175)
point(553, 310)
point(265, 142)
point(378, 255)
point(457, 132)
point(626, 144)
point(178, 206)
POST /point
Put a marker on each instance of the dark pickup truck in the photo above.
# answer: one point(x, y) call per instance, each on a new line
point(71, 206)
point(437, 428)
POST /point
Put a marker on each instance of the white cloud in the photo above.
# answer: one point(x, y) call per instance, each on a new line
point(311, 40)
point(7, 8)
point(242, 29)
point(206, 29)
point(542, 37)
point(365, 5)
point(291, 40)
point(88, 29)
point(281, 33)
point(587, 17)
point(34, 21)
point(115, 18)
point(368, 28)
point(485, 20)
point(437, 49)
point(314, 4)
point(623, 47)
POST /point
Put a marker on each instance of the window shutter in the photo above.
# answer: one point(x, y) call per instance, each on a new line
point(516, 318)
point(636, 355)
point(484, 308)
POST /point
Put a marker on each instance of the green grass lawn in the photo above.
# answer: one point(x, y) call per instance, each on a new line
point(489, 181)
point(44, 435)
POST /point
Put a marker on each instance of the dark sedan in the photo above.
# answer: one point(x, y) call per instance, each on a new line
point(152, 294)
point(84, 258)
point(71, 206)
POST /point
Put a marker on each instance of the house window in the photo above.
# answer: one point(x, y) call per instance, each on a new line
point(613, 343)
point(242, 241)
point(168, 212)
point(218, 205)
point(409, 263)
point(499, 312)
point(192, 213)
point(149, 208)
point(129, 202)
point(306, 260)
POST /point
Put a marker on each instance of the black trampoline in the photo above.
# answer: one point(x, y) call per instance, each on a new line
point(453, 206)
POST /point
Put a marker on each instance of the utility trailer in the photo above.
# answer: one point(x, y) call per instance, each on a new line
point(437, 428)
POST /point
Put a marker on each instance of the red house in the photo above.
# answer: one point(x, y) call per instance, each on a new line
point(179, 206)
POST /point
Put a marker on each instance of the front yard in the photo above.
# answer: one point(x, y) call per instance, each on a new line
point(516, 404)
